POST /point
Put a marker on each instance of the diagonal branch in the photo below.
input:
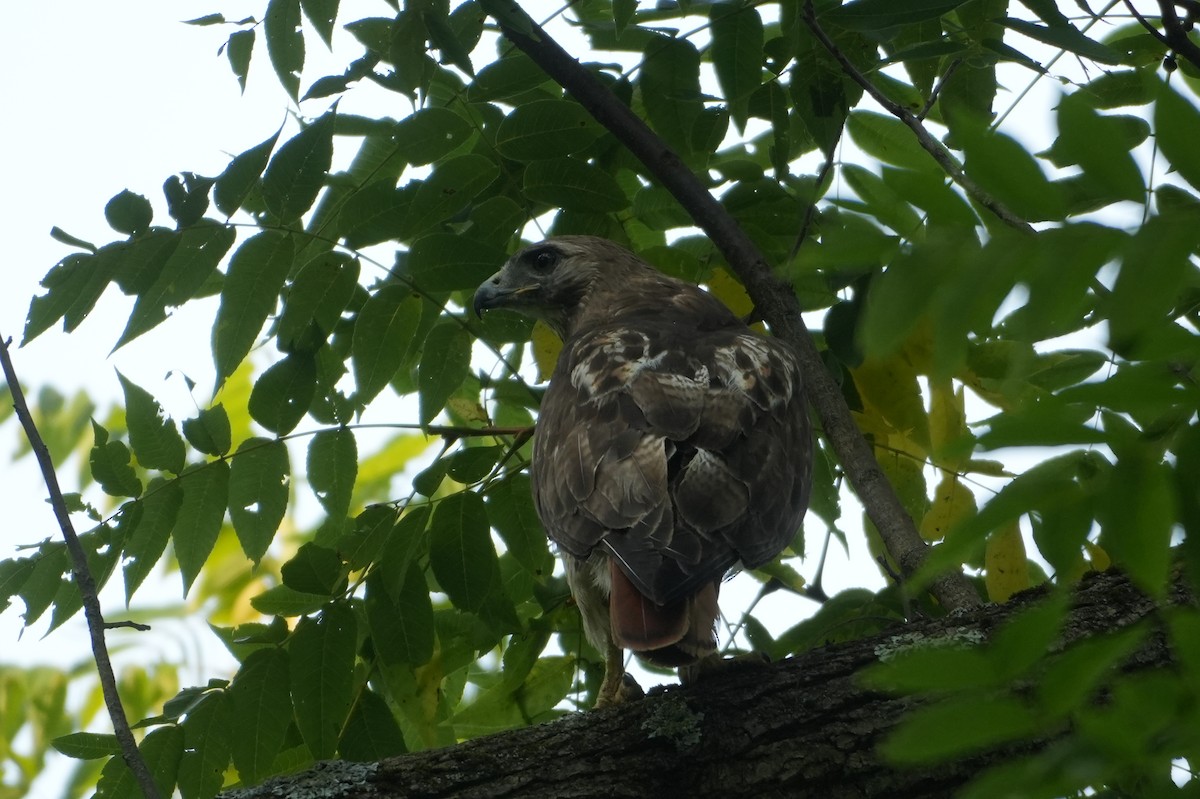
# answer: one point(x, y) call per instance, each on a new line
point(927, 140)
point(84, 581)
point(774, 298)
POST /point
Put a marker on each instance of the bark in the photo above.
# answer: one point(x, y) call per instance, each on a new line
point(802, 727)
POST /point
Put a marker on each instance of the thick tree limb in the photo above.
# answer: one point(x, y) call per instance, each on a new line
point(774, 299)
point(804, 727)
point(83, 581)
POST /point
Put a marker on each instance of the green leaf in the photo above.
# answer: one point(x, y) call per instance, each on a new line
point(1006, 169)
point(371, 732)
point(452, 262)
point(313, 569)
point(187, 269)
point(511, 511)
point(155, 441)
point(376, 213)
point(401, 625)
point(461, 552)
point(238, 49)
point(39, 588)
point(449, 190)
point(321, 13)
point(241, 176)
point(1153, 271)
point(141, 261)
point(371, 530)
point(109, 462)
point(262, 705)
point(1065, 36)
point(283, 393)
point(209, 432)
point(332, 469)
point(322, 676)
point(882, 201)
point(206, 746)
point(384, 337)
point(573, 185)
point(929, 191)
point(877, 15)
point(297, 170)
point(13, 576)
point(259, 478)
point(318, 295)
point(144, 547)
point(162, 750)
point(550, 128)
point(445, 363)
point(87, 745)
point(889, 140)
point(205, 495)
point(1137, 513)
point(1176, 121)
point(73, 287)
point(737, 55)
point(283, 600)
point(1096, 143)
point(129, 213)
point(408, 542)
point(249, 295)
point(509, 76)
point(669, 80)
point(952, 727)
point(429, 134)
point(285, 43)
point(187, 197)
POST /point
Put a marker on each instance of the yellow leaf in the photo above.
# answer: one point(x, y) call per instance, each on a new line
point(1099, 558)
point(948, 432)
point(546, 347)
point(952, 502)
point(726, 288)
point(889, 385)
point(1005, 564)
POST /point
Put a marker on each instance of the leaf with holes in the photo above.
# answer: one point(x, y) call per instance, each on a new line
point(258, 493)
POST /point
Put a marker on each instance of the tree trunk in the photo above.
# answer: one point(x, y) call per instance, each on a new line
point(801, 727)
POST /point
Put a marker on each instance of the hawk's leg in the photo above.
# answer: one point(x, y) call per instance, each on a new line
point(715, 664)
point(617, 686)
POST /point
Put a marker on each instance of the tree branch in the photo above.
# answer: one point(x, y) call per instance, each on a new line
point(1177, 32)
point(926, 139)
point(774, 298)
point(804, 727)
point(83, 581)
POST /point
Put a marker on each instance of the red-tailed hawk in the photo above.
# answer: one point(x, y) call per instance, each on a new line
point(672, 445)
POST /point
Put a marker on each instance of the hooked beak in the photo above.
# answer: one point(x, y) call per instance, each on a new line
point(494, 294)
point(489, 295)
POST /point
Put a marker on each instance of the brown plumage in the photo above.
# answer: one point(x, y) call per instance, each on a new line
point(672, 444)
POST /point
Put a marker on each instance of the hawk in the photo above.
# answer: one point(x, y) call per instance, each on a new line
point(672, 445)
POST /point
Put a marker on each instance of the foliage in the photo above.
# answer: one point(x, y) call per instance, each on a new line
point(422, 606)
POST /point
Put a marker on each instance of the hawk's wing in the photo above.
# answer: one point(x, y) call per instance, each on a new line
point(679, 450)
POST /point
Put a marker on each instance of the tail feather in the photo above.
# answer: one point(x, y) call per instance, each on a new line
point(674, 634)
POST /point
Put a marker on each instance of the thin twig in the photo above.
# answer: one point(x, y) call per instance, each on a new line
point(927, 140)
point(83, 581)
point(133, 625)
point(1177, 34)
point(774, 297)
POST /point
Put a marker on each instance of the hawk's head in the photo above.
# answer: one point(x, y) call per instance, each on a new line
point(551, 280)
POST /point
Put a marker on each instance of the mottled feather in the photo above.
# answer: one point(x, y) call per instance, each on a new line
point(672, 443)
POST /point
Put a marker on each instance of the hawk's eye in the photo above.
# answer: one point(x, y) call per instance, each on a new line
point(544, 260)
